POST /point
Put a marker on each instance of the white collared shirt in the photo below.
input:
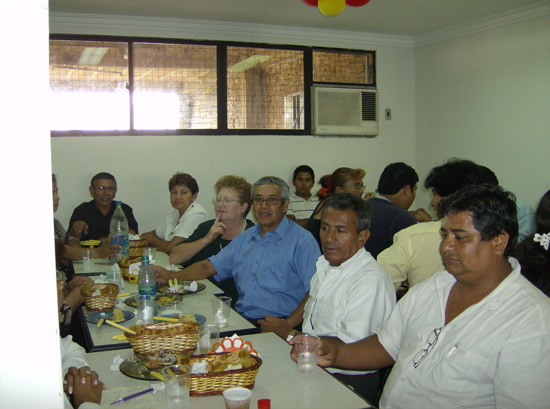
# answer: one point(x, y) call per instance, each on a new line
point(495, 354)
point(349, 301)
point(183, 226)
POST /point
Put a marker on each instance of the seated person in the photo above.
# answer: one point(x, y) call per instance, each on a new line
point(302, 202)
point(351, 294)
point(414, 254)
point(533, 253)
point(91, 220)
point(72, 244)
point(396, 193)
point(473, 336)
point(272, 263)
point(183, 219)
point(342, 180)
point(82, 387)
point(232, 204)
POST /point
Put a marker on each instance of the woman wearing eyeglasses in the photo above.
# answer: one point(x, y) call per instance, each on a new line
point(342, 180)
point(183, 219)
point(232, 204)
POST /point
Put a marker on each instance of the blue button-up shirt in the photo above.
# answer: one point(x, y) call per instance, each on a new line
point(272, 273)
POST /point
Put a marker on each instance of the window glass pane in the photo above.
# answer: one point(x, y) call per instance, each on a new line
point(88, 85)
point(264, 88)
point(175, 86)
point(353, 67)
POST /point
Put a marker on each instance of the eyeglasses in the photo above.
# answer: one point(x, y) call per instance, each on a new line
point(357, 186)
point(225, 200)
point(270, 201)
point(423, 353)
point(105, 188)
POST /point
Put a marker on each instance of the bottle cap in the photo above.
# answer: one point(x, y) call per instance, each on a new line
point(264, 404)
point(145, 259)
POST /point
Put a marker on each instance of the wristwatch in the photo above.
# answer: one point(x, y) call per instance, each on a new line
point(291, 335)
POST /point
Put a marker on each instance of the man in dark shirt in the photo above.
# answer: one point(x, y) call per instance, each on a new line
point(389, 209)
point(91, 220)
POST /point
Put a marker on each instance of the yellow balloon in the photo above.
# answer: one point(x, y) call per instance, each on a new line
point(331, 8)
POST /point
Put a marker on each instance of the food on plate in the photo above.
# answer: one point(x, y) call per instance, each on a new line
point(118, 315)
point(165, 299)
point(221, 362)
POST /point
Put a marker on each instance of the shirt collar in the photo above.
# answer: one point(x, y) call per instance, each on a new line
point(281, 230)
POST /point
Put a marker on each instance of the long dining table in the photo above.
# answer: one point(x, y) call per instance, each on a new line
point(101, 338)
point(278, 379)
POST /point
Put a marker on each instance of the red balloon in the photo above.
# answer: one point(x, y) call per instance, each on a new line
point(355, 3)
point(313, 3)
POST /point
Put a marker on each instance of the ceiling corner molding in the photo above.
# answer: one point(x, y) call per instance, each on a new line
point(537, 10)
point(131, 26)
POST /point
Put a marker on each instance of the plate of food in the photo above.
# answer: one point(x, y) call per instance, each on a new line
point(115, 315)
point(201, 319)
point(180, 287)
point(162, 299)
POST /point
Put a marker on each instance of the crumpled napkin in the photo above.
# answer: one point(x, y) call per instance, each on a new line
point(172, 267)
point(199, 367)
point(193, 286)
point(100, 279)
point(117, 360)
point(134, 237)
point(115, 276)
point(157, 386)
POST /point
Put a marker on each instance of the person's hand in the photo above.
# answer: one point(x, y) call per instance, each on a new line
point(83, 375)
point(78, 228)
point(149, 237)
point(421, 215)
point(162, 274)
point(83, 385)
point(277, 325)
point(108, 249)
point(77, 281)
point(327, 351)
point(217, 229)
point(369, 195)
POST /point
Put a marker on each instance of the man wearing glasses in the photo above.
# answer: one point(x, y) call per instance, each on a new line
point(396, 193)
point(474, 336)
point(91, 220)
point(271, 263)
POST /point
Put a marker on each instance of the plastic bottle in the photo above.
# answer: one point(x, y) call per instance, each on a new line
point(119, 232)
point(147, 286)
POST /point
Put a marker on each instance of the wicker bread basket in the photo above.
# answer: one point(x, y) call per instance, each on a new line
point(169, 337)
point(215, 383)
point(136, 248)
point(100, 302)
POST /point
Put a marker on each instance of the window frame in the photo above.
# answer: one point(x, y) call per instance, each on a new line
point(221, 63)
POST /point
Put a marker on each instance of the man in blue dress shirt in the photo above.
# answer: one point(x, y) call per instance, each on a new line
point(272, 263)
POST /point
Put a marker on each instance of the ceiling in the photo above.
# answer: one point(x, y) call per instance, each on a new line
point(389, 17)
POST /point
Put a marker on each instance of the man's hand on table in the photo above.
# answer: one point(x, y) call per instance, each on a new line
point(162, 274)
point(277, 325)
point(83, 385)
point(327, 351)
point(78, 228)
point(77, 281)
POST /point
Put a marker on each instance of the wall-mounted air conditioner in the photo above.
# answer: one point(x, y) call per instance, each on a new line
point(344, 111)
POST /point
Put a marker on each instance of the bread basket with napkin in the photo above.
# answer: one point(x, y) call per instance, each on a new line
point(99, 297)
point(167, 337)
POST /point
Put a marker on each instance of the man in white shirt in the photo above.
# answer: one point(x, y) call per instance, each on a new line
point(350, 294)
point(474, 336)
point(302, 202)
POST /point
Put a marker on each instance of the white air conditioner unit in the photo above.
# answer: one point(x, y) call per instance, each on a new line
point(344, 111)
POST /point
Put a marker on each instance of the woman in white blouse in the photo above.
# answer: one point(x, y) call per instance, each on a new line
point(183, 219)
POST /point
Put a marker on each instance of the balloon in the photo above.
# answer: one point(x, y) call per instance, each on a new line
point(355, 3)
point(331, 8)
point(311, 2)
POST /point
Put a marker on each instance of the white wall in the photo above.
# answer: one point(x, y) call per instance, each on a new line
point(30, 370)
point(486, 97)
point(143, 165)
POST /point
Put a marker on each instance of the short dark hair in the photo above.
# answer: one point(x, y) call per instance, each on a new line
point(395, 177)
point(303, 168)
point(455, 174)
point(102, 176)
point(184, 179)
point(493, 211)
point(542, 215)
point(349, 201)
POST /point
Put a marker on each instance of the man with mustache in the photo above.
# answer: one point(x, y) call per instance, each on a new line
point(476, 335)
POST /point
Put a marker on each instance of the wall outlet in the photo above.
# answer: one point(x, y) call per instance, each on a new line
point(388, 114)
